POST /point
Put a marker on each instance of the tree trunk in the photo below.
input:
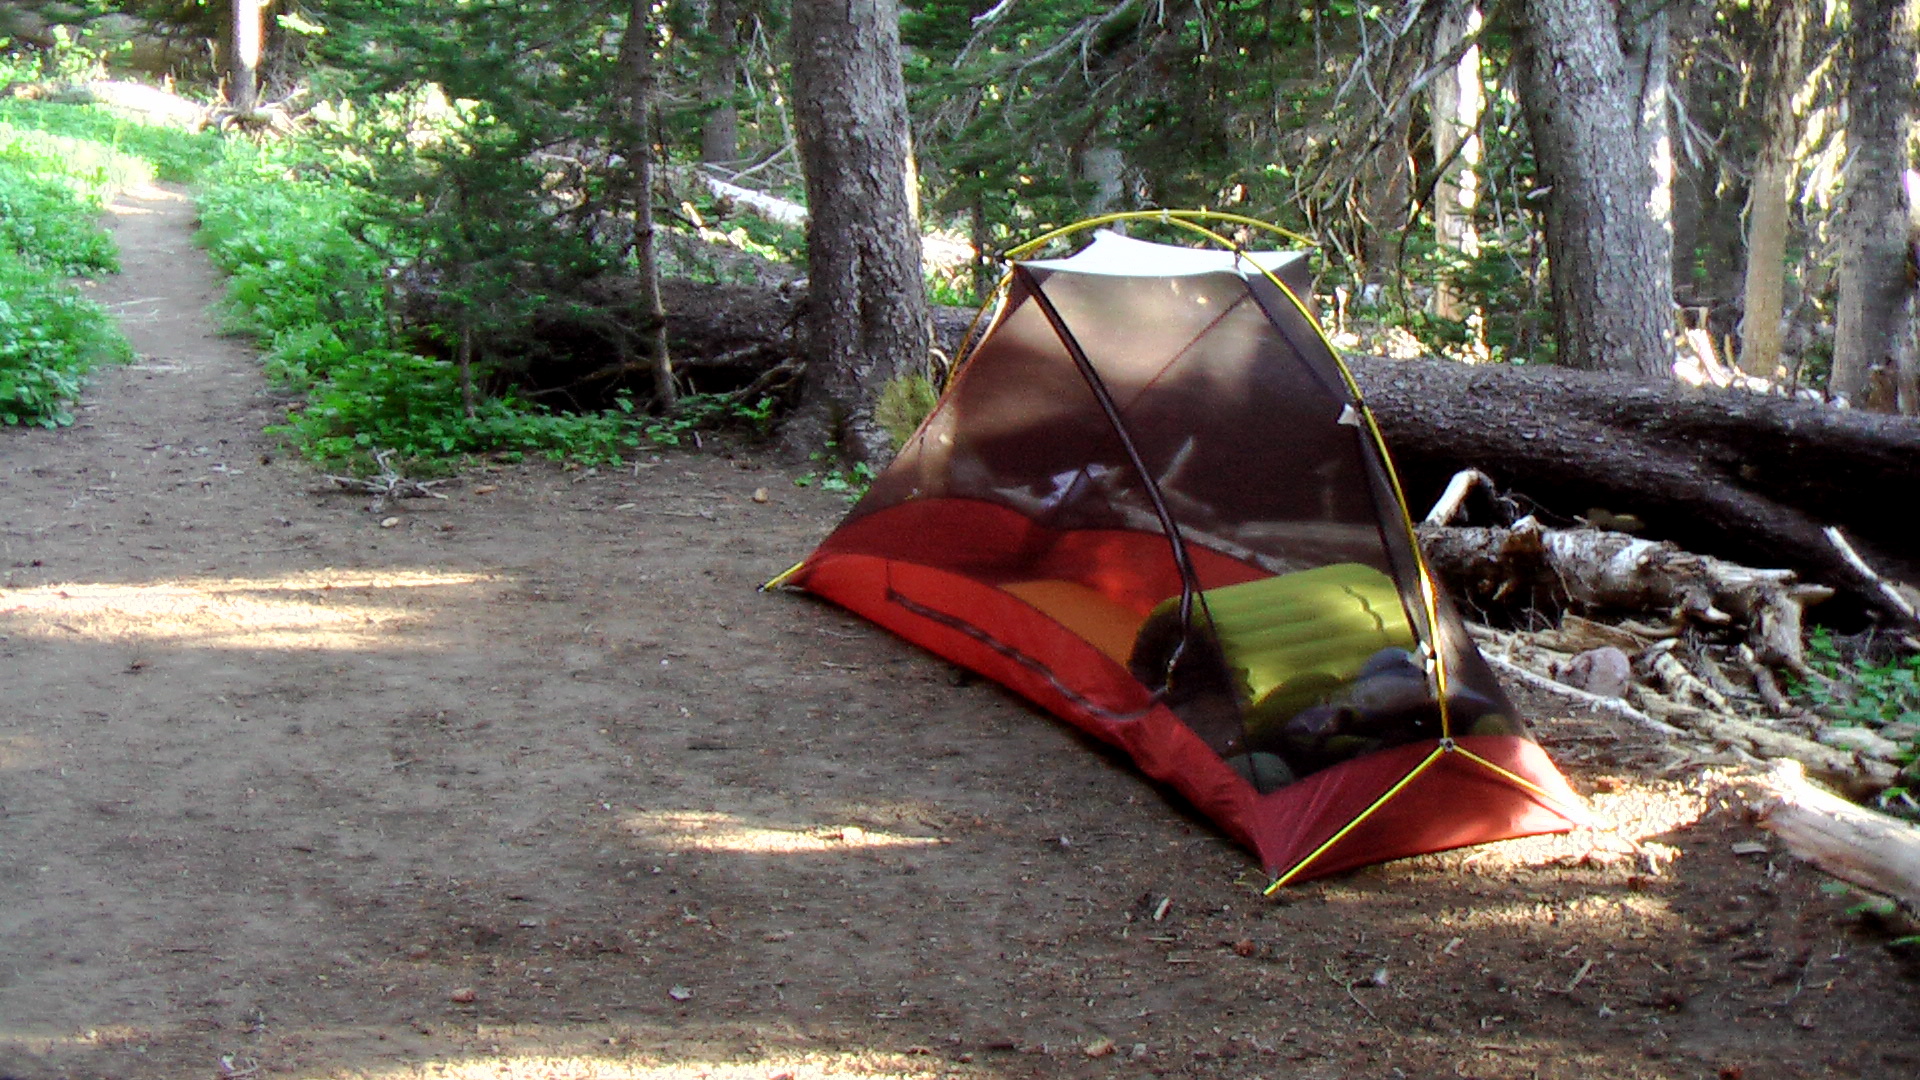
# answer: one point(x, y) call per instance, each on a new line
point(1385, 193)
point(1456, 103)
point(719, 78)
point(867, 308)
point(1874, 308)
point(1593, 78)
point(247, 23)
point(1103, 168)
point(636, 74)
point(1767, 197)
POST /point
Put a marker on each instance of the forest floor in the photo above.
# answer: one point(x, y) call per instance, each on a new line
point(530, 782)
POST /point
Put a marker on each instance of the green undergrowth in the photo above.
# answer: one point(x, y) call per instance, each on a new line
point(55, 176)
point(50, 337)
point(309, 286)
point(1877, 692)
point(111, 147)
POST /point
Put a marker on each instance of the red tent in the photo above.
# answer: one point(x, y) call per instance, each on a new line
point(1152, 501)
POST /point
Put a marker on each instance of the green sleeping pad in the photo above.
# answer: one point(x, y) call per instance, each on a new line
point(1287, 641)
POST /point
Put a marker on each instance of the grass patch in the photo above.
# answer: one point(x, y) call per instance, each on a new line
point(52, 187)
point(127, 150)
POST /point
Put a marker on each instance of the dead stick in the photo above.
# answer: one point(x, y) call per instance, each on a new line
point(1584, 697)
point(1457, 491)
point(1779, 745)
point(1899, 602)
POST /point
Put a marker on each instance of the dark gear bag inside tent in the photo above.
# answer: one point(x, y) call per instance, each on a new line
point(1152, 501)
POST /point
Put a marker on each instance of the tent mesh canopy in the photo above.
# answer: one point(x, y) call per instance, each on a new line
point(1151, 501)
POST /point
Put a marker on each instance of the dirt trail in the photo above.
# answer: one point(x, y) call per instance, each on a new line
point(531, 783)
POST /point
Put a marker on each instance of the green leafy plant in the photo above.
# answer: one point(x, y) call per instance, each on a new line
point(292, 234)
point(50, 337)
point(830, 474)
point(44, 222)
point(51, 191)
point(88, 168)
point(1871, 909)
point(99, 133)
point(1857, 690)
point(1860, 691)
point(904, 402)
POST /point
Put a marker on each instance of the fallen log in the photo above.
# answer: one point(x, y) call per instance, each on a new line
point(941, 252)
point(1850, 842)
point(1746, 478)
point(1530, 567)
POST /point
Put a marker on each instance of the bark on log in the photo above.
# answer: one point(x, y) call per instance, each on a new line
point(732, 333)
point(1850, 842)
point(1746, 478)
point(1552, 570)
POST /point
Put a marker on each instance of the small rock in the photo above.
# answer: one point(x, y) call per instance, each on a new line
point(1859, 740)
point(1605, 671)
point(465, 995)
point(1098, 1048)
point(1245, 947)
point(680, 993)
point(388, 523)
point(418, 952)
point(761, 495)
point(486, 489)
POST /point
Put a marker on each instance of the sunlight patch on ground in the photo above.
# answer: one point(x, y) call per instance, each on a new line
point(145, 191)
point(1606, 918)
point(697, 830)
point(324, 609)
point(817, 1066)
point(18, 751)
point(1636, 812)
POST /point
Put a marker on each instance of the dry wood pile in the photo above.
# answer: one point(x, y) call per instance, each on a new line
point(1694, 647)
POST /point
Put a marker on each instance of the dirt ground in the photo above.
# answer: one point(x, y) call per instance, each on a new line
point(531, 782)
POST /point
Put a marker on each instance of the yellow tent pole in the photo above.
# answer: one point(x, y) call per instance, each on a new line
point(967, 341)
point(1386, 796)
point(783, 576)
point(1429, 593)
point(1170, 217)
point(1577, 814)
